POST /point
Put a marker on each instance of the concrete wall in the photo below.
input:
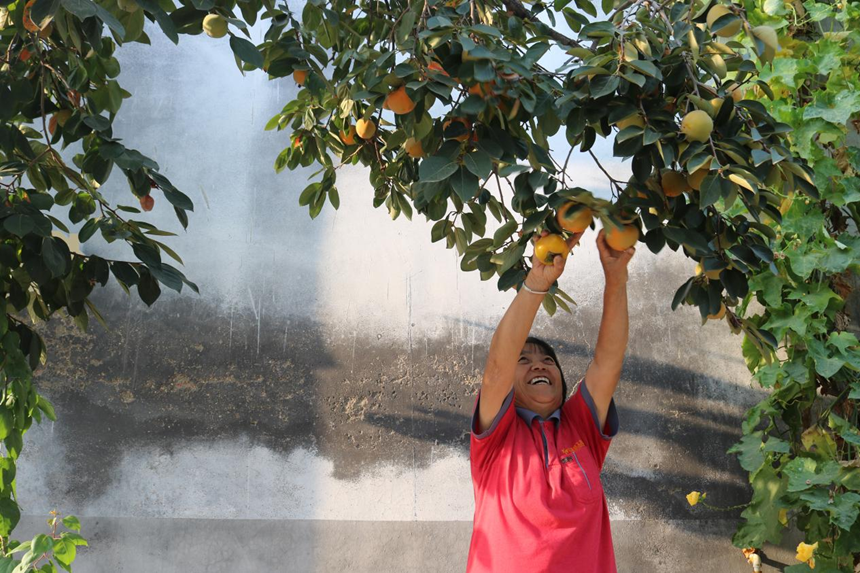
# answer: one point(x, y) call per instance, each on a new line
point(309, 410)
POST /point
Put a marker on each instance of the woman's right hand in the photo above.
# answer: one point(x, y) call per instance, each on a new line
point(542, 276)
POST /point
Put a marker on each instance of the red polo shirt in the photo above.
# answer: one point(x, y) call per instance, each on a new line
point(539, 503)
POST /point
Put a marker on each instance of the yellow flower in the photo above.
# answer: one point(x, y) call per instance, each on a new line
point(693, 497)
point(805, 551)
point(783, 517)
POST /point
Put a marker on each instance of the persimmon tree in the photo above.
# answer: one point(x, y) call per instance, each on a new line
point(58, 88)
point(734, 119)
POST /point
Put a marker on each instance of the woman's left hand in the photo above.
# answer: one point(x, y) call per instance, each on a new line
point(614, 262)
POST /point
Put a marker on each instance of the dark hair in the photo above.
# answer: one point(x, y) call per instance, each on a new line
point(548, 350)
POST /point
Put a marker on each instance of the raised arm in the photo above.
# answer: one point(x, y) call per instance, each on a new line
point(511, 334)
point(605, 369)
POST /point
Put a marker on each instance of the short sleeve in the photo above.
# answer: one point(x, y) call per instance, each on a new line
point(581, 409)
point(483, 446)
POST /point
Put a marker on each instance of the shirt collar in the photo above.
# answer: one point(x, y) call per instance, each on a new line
point(529, 416)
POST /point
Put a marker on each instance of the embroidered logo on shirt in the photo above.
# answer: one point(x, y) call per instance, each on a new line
point(568, 452)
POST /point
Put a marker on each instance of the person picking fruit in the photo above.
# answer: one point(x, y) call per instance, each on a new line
point(536, 456)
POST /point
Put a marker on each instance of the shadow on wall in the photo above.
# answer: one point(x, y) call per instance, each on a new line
point(162, 382)
point(180, 374)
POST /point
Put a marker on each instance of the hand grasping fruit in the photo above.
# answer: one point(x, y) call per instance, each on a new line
point(614, 262)
point(548, 261)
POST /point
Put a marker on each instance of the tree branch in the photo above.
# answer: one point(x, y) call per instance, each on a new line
point(519, 10)
point(612, 180)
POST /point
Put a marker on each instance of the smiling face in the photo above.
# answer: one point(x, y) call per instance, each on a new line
point(538, 381)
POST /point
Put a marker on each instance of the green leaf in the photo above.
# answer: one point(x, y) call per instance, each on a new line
point(751, 455)
point(72, 522)
point(309, 194)
point(587, 7)
point(646, 68)
point(698, 161)
point(473, 105)
point(168, 276)
point(147, 254)
point(65, 552)
point(334, 198)
point(510, 257)
point(788, 317)
point(510, 278)
point(532, 221)
point(504, 232)
point(55, 255)
point(47, 408)
point(88, 230)
point(775, 7)
point(10, 515)
point(844, 341)
point(835, 107)
point(845, 509)
point(246, 51)
point(465, 184)
point(75, 538)
point(687, 237)
point(19, 225)
point(6, 422)
point(628, 133)
point(147, 287)
point(164, 21)
point(842, 508)
point(7, 564)
point(176, 198)
point(637, 79)
point(848, 432)
point(42, 544)
point(603, 85)
point(407, 23)
point(14, 444)
point(316, 207)
point(711, 190)
point(770, 286)
point(681, 293)
point(826, 363)
point(804, 473)
point(774, 444)
point(762, 515)
point(436, 168)
point(86, 8)
point(479, 162)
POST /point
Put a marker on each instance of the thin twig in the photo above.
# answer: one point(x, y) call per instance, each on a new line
point(564, 169)
point(501, 195)
point(611, 179)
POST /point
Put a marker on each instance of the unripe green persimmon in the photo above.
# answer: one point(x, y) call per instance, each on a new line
point(215, 26)
point(697, 125)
